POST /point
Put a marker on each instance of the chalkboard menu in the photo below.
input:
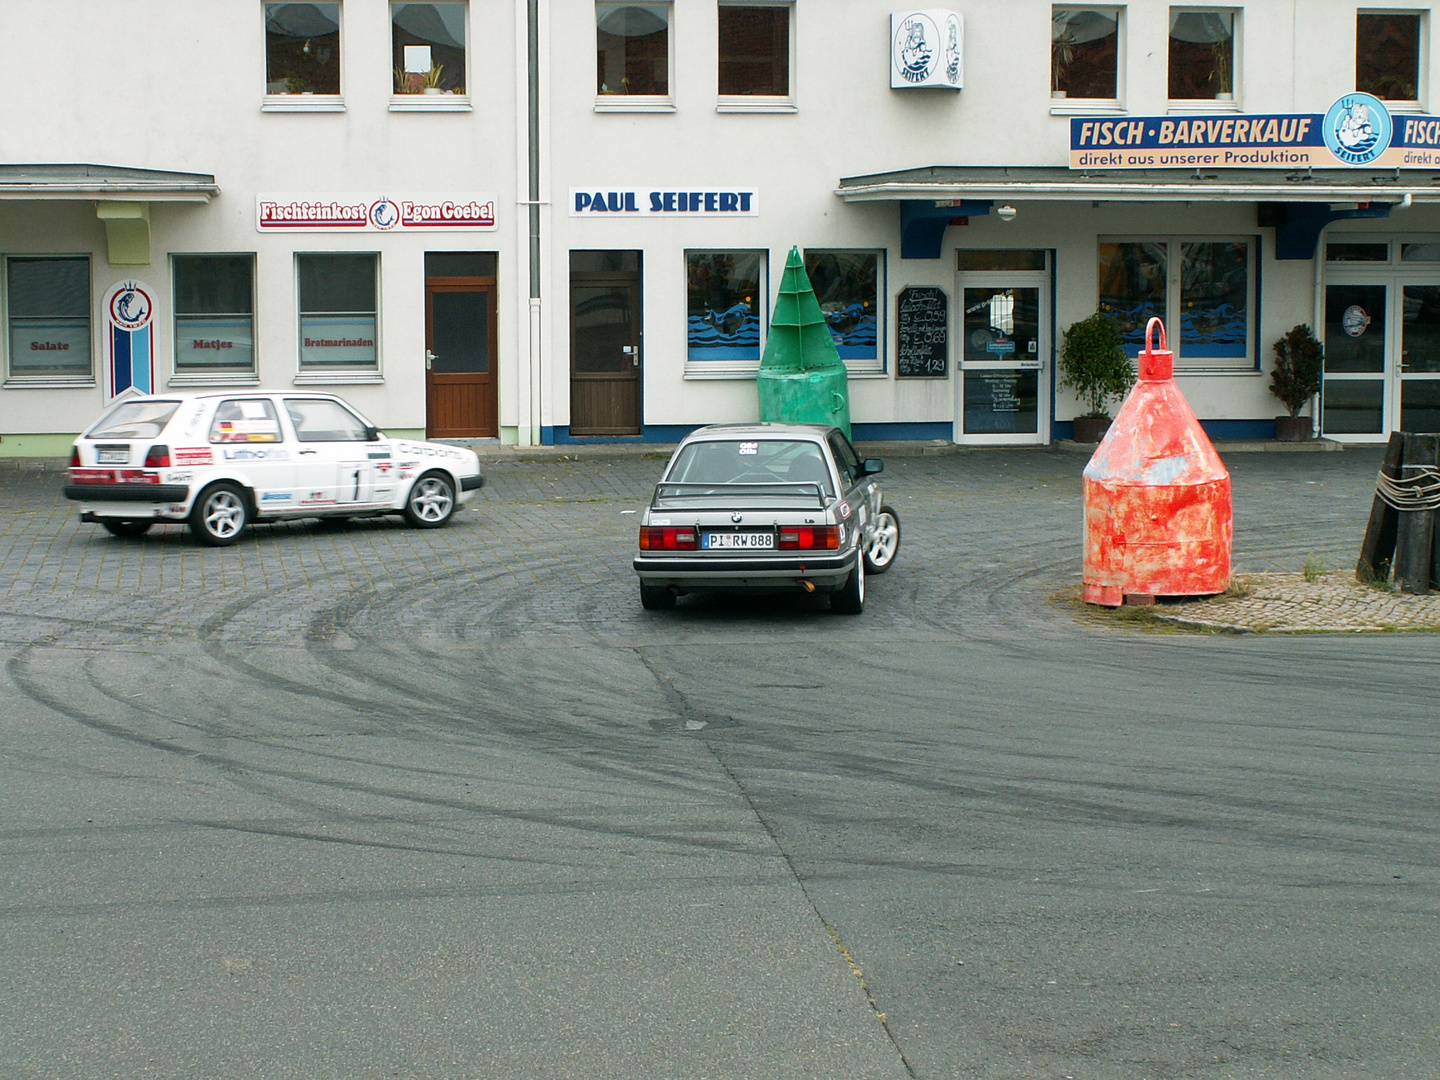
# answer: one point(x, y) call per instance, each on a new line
point(923, 330)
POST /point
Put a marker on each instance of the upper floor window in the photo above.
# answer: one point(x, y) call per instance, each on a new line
point(1084, 52)
point(1387, 55)
point(755, 50)
point(214, 314)
point(1202, 54)
point(632, 48)
point(302, 48)
point(48, 308)
point(427, 45)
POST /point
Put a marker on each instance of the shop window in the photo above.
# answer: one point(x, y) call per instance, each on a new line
point(302, 49)
point(632, 44)
point(1353, 252)
point(214, 314)
point(850, 288)
point(1204, 290)
point(754, 50)
point(1202, 54)
point(48, 306)
point(1084, 52)
point(338, 312)
point(1387, 55)
point(725, 311)
point(427, 48)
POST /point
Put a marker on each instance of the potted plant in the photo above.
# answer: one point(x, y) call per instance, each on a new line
point(432, 79)
point(1299, 368)
point(1093, 364)
point(1062, 54)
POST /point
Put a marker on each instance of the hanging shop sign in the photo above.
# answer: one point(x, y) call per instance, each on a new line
point(129, 312)
point(470, 212)
point(1357, 131)
point(926, 49)
point(664, 202)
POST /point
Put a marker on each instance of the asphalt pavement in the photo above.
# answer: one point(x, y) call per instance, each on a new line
point(364, 801)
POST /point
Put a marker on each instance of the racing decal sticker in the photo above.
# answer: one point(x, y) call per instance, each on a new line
point(431, 450)
point(844, 509)
point(193, 455)
point(275, 496)
point(129, 339)
point(246, 453)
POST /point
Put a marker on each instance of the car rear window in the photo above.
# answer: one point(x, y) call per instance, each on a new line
point(751, 461)
point(134, 420)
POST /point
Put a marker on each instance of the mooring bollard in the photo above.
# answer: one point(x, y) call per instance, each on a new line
point(1401, 535)
point(1157, 496)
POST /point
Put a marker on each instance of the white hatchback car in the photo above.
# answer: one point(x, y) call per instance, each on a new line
point(223, 459)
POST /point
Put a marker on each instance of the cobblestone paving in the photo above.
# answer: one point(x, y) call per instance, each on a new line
point(1290, 603)
point(990, 536)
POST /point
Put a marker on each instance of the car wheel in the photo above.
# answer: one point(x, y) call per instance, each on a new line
point(850, 599)
point(885, 543)
point(431, 501)
point(219, 515)
point(656, 598)
point(128, 530)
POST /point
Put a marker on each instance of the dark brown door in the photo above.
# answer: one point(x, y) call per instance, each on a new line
point(460, 399)
point(605, 363)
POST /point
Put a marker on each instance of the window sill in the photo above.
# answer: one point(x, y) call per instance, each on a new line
point(1086, 107)
point(431, 103)
point(623, 104)
point(756, 105)
point(1201, 106)
point(49, 382)
point(303, 103)
point(337, 378)
point(715, 369)
point(214, 378)
point(1404, 107)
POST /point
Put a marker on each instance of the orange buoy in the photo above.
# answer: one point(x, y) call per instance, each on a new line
point(1157, 496)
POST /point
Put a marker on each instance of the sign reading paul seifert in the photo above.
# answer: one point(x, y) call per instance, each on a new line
point(1356, 132)
point(664, 202)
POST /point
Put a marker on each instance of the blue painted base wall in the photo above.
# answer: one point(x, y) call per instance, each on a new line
point(559, 435)
point(1215, 429)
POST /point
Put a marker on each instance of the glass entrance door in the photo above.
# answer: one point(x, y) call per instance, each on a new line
point(1382, 359)
point(1004, 339)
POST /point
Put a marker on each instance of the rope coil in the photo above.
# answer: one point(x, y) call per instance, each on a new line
point(1417, 492)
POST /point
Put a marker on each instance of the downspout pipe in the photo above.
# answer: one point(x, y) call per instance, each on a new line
point(532, 83)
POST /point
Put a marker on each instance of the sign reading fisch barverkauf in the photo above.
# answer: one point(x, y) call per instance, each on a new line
point(1357, 131)
point(467, 212)
point(664, 202)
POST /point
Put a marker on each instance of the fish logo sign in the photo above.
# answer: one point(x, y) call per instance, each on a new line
point(129, 309)
point(1358, 129)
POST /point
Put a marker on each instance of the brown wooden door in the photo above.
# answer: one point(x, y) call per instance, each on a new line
point(460, 342)
point(605, 362)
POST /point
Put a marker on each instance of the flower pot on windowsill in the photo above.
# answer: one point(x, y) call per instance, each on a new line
point(1091, 429)
point(433, 90)
point(1293, 428)
point(1058, 94)
point(1225, 97)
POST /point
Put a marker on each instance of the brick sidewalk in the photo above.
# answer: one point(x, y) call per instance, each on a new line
point(1288, 603)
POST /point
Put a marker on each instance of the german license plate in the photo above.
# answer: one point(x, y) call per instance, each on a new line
point(732, 540)
point(113, 455)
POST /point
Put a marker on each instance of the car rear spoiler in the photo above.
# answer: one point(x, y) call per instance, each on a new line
point(753, 496)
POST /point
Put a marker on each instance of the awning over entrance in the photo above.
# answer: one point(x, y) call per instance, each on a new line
point(122, 198)
point(1298, 203)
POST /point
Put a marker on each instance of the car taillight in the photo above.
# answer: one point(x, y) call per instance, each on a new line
point(74, 457)
point(158, 457)
point(668, 538)
point(808, 537)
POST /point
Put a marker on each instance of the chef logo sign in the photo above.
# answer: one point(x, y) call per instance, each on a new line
point(1356, 132)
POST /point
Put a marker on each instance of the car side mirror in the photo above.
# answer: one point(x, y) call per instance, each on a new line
point(372, 433)
point(871, 466)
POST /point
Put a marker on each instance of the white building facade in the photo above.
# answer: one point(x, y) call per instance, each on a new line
point(563, 220)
